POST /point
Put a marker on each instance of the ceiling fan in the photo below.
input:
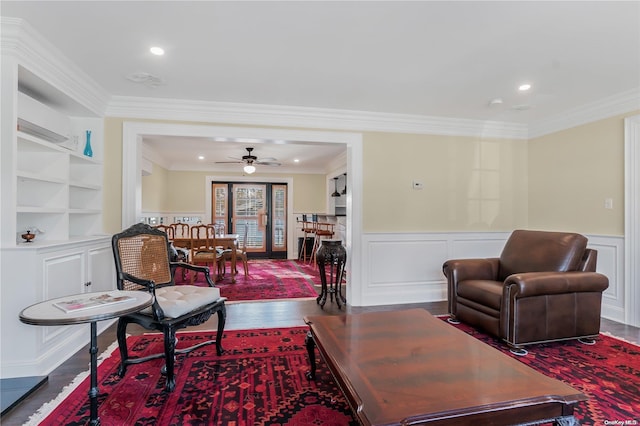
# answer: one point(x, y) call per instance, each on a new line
point(250, 161)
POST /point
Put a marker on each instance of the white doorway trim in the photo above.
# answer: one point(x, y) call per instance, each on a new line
point(632, 220)
point(134, 131)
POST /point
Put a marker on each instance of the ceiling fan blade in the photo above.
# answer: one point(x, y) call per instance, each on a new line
point(267, 163)
point(229, 162)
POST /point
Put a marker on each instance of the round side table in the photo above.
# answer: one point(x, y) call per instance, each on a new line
point(46, 313)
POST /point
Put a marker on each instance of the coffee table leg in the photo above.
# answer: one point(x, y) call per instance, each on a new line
point(93, 391)
point(310, 344)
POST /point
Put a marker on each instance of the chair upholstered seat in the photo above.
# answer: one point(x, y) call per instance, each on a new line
point(484, 292)
point(178, 300)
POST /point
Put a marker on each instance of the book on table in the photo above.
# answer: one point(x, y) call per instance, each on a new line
point(82, 303)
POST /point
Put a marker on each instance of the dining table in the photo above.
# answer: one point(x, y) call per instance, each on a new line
point(226, 241)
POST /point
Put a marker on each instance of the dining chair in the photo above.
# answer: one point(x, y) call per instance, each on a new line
point(322, 230)
point(167, 229)
point(204, 250)
point(309, 231)
point(241, 254)
point(142, 263)
point(181, 230)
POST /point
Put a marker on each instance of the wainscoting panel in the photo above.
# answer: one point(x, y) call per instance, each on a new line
point(407, 268)
point(611, 264)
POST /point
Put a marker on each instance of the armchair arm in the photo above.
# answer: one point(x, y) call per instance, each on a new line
point(471, 269)
point(149, 284)
point(158, 313)
point(544, 283)
point(191, 267)
point(457, 270)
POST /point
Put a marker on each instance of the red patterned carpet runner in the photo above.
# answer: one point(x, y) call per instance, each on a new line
point(260, 380)
point(268, 279)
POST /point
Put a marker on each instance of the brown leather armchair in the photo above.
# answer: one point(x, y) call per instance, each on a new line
point(542, 288)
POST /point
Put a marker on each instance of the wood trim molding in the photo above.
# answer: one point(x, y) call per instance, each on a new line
point(631, 221)
point(133, 132)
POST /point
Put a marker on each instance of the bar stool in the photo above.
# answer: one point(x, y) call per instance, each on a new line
point(323, 230)
point(309, 230)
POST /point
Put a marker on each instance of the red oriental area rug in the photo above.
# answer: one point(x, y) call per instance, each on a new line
point(268, 279)
point(260, 380)
point(608, 373)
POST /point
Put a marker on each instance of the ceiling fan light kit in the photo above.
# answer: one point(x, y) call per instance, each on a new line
point(250, 161)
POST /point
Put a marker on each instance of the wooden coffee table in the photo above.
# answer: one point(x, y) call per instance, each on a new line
point(409, 368)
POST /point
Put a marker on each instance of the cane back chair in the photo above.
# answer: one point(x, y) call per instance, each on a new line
point(143, 263)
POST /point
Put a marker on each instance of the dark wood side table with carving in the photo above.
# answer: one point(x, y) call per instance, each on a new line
point(331, 258)
point(410, 368)
point(46, 313)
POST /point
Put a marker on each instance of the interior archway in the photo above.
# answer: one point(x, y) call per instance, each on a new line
point(134, 132)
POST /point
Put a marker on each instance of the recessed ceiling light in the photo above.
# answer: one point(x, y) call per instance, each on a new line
point(524, 87)
point(159, 51)
point(200, 157)
point(295, 160)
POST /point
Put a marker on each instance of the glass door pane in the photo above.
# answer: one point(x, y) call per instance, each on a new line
point(279, 215)
point(220, 207)
point(249, 210)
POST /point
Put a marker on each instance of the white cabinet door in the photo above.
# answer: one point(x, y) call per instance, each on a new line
point(36, 274)
point(101, 271)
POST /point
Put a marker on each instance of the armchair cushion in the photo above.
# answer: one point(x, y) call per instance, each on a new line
point(178, 300)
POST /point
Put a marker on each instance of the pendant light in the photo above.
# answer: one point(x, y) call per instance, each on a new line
point(344, 191)
point(335, 188)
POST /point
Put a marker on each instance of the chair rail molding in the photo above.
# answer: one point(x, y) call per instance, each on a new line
point(631, 221)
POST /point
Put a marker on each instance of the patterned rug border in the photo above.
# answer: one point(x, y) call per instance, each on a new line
point(48, 407)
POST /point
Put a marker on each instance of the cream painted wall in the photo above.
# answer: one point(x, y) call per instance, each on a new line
point(558, 181)
point(186, 190)
point(469, 183)
point(112, 189)
point(572, 172)
point(309, 193)
point(156, 190)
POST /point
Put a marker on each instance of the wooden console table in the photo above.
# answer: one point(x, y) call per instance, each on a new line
point(410, 368)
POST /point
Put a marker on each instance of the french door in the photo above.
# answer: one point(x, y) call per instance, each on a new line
point(259, 207)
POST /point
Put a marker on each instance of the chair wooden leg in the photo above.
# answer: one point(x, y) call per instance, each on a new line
point(121, 335)
point(246, 267)
point(169, 356)
point(222, 319)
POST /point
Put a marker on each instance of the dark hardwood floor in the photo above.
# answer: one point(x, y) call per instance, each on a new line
point(248, 315)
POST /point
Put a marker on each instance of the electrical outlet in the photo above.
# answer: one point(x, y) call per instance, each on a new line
point(417, 184)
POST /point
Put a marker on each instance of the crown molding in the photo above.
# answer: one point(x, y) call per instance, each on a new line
point(35, 53)
point(618, 104)
point(305, 117)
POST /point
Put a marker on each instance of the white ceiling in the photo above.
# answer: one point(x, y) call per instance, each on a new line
point(429, 58)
